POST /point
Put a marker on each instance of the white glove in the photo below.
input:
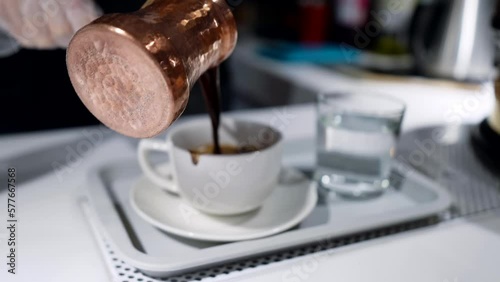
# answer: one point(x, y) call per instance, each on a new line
point(45, 24)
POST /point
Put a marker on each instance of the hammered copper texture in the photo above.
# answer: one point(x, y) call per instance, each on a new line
point(134, 71)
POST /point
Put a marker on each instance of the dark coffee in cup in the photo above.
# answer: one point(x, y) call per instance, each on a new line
point(225, 149)
point(209, 149)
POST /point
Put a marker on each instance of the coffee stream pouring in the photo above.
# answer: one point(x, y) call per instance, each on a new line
point(134, 71)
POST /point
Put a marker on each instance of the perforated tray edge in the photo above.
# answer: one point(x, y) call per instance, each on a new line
point(120, 240)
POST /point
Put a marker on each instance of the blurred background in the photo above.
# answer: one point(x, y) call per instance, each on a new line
point(401, 41)
point(290, 50)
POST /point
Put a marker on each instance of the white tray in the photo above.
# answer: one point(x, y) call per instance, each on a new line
point(159, 254)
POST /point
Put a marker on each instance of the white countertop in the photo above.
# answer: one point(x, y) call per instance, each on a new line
point(56, 244)
point(429, 101)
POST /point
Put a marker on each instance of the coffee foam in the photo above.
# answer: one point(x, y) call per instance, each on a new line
point(119, 82)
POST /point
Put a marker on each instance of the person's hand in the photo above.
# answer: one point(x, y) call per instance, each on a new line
point(45, 24)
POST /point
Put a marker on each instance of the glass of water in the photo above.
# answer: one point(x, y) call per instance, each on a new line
point(356, 142)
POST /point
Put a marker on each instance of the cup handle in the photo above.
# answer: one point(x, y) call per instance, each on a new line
point(145, 147)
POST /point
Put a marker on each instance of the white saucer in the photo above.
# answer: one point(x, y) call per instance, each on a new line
point(291, 202)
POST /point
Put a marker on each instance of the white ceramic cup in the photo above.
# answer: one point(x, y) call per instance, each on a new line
point(217, 184)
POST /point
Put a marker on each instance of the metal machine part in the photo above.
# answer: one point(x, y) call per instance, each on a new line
point(453, 39)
